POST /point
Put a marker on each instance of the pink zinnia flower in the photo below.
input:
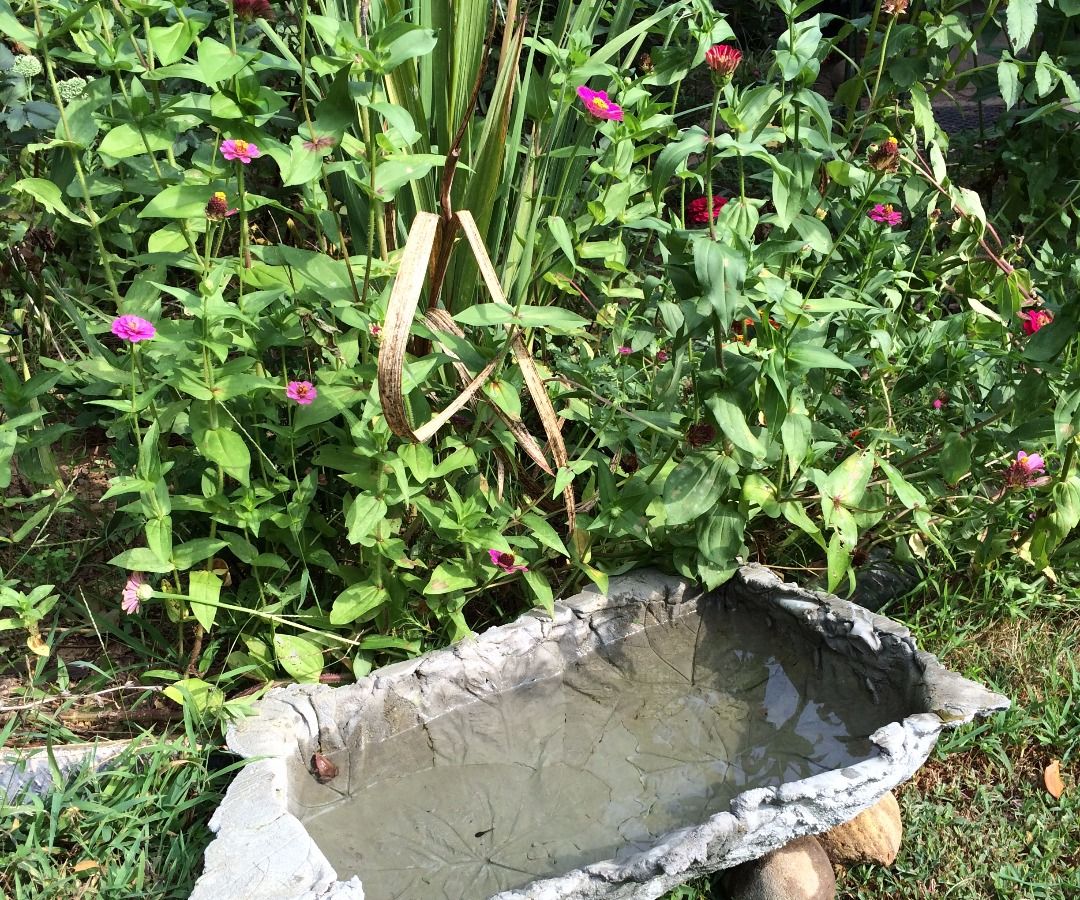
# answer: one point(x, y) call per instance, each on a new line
point(135, 590)
point(598, 104)
point(699, 209)
point(723, 59)
point(625, 351)
point(132, 329)
point(505, 561)
point(1027, 471)
point(884, 214)
point(245, 151)
point(938, 403)
point(303, 392)
point(662, 356)
point(1034, 319)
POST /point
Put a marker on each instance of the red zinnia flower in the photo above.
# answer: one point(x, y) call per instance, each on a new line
point(699, 209)
point(1034, 319)
point(250, 10)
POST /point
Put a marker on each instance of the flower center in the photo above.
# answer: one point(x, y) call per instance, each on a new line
point(219, 195)
point(599, 104)
point(887, 209)
point(241, 147)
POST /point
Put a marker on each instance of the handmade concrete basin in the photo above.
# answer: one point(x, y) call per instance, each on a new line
point(635, 741)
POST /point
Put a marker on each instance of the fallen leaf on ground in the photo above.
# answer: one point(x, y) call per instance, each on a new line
point(1055, 787)
point(85, 865)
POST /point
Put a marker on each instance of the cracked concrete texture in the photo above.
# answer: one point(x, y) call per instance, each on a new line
point(632, 742)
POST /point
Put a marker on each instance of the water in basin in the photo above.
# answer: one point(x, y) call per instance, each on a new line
point(655, 732)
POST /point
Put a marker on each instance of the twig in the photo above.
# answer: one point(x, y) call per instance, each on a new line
point(149, 688)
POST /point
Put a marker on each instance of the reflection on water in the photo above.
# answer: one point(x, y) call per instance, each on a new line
point(657, 733)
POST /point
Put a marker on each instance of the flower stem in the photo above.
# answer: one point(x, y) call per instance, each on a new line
point(709, 211)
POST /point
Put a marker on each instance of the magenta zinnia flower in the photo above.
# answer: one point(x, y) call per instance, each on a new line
point(699, 209)
point(1026, 471)
point(303, 392)
point(884, 214)
point(245, 151)
point(1034, 319)
point(625, 351)
point(723, 59)
point(132, 329)
point(505, 561)
point(662, 356)
point(134, 592)
point(598, 104)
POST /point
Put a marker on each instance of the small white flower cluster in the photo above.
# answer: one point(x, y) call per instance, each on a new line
point(27, 66)
point(71, 89)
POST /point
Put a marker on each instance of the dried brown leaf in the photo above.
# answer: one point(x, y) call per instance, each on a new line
point(1055, 787)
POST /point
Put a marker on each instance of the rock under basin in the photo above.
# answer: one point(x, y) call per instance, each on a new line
point(637, 740)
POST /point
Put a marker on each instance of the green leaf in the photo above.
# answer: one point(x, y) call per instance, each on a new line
point(791, 184)
point(1066, 514)
point(1008, 76)
point(126, 140)
point(544, 533)
point(204, 592)
point(846, 484)
point(301, 657)
point(1020, 20)
point(796, 515)
point(838, 561)
point(561, 233)
point(48, 195)
point(541, 590)
point(181, 201)
point(217, 62)
point(693, 488)
point(358, 601)
point(795, 433)
point(141, 559)
point(200, 694)
point(758, 491)
point(393, 172)
point(191, 552)
point(954, 461)
point(171, 42)
point(810, 356)
point(226, 448)
point(720, 534)
point(729, 416)
point(720, 271)
point(301, 165)
point(674, 156)
point(906, 493)
point(363, 517)
point(449, 577)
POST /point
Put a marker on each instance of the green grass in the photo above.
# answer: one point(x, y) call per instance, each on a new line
point(136, 830)
point(979, 824)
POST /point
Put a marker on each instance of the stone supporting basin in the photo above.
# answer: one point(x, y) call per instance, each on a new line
point(638, 739)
